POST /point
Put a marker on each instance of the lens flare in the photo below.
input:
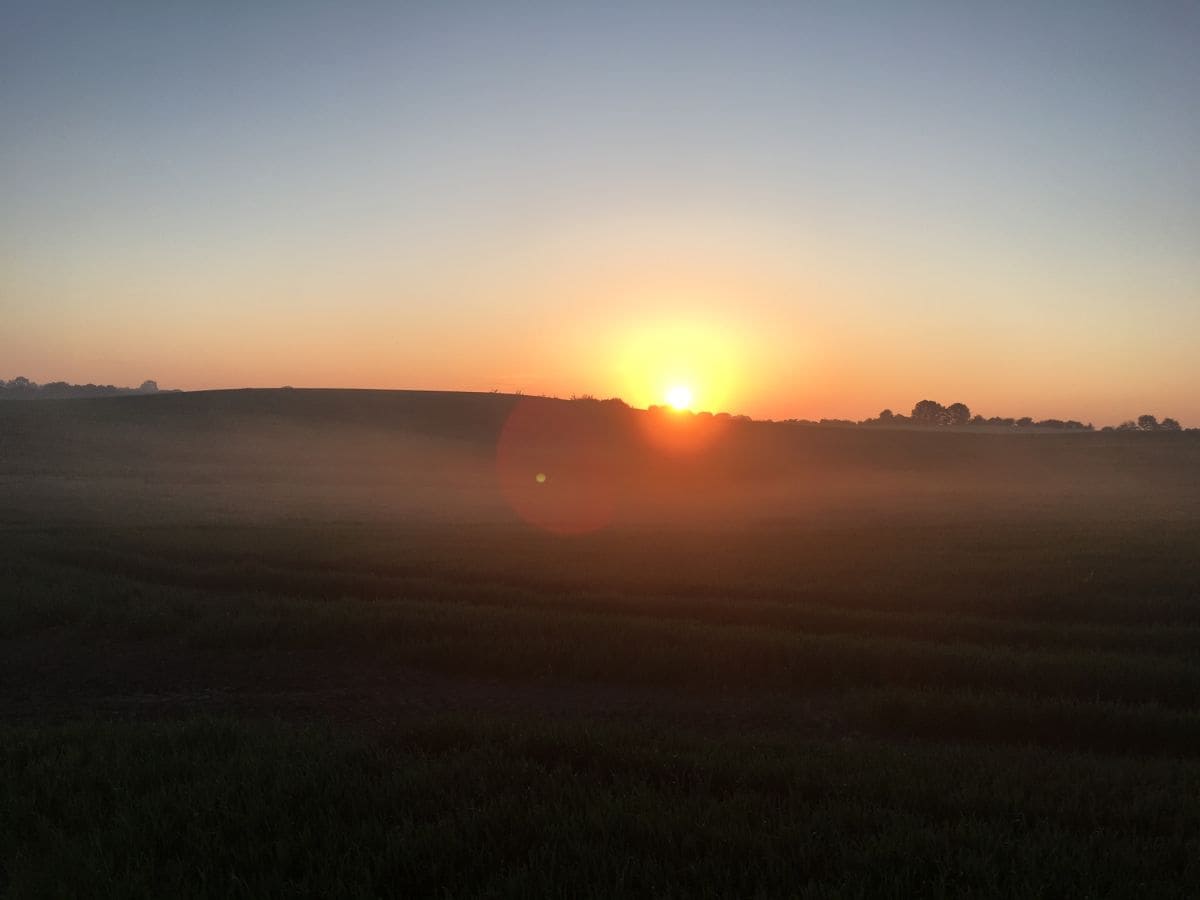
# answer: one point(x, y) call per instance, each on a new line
point(557, 466)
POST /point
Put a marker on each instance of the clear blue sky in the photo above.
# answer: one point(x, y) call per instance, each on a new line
point(802, 209)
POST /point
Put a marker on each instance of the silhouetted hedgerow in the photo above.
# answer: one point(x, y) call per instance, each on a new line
point(21, 388)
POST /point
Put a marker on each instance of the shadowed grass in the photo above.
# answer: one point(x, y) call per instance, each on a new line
point(1101, 700)
point(478, 808)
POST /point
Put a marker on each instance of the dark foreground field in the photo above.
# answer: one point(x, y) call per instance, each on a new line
point(308, 643)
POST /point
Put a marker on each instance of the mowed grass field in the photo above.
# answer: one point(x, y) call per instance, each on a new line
point(303, 644)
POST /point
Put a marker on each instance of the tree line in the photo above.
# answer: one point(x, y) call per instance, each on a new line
point(931, 414)
point(1146, 422)
point(22, 388)
point(925, 413)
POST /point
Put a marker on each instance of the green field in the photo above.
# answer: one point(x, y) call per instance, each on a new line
point(294, 643)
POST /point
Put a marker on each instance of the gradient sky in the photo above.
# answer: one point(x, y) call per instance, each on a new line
point(800, 209)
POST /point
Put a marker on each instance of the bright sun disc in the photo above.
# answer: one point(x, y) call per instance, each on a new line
point(680, 397)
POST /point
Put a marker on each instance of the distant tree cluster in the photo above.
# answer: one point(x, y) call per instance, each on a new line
point(703, 415)
point(591, 398)
point(931, 414)
point(1147, 422)
point(21, 388)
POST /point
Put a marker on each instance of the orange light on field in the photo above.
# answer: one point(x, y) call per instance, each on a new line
point(676, 431)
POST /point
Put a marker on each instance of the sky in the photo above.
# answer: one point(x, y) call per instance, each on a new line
point(794, 209)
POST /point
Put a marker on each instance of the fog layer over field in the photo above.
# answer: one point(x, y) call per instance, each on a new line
point(563, 466)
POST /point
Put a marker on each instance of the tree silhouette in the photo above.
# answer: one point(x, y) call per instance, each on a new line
point(21, 387)
point(928, 412)
point(1147, 422)
point(957, 414)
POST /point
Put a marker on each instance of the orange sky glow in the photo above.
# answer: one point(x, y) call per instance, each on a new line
point(842, 213)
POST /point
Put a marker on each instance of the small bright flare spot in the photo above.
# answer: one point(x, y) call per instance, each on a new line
point(540, 477)
point(680, 397)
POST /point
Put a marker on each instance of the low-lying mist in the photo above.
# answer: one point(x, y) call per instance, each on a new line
point(565, 467)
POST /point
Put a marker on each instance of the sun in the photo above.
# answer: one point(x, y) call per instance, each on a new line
point(680, 397)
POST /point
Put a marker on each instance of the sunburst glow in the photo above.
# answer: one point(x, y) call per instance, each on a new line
point(680, 397)
point(680, 362)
